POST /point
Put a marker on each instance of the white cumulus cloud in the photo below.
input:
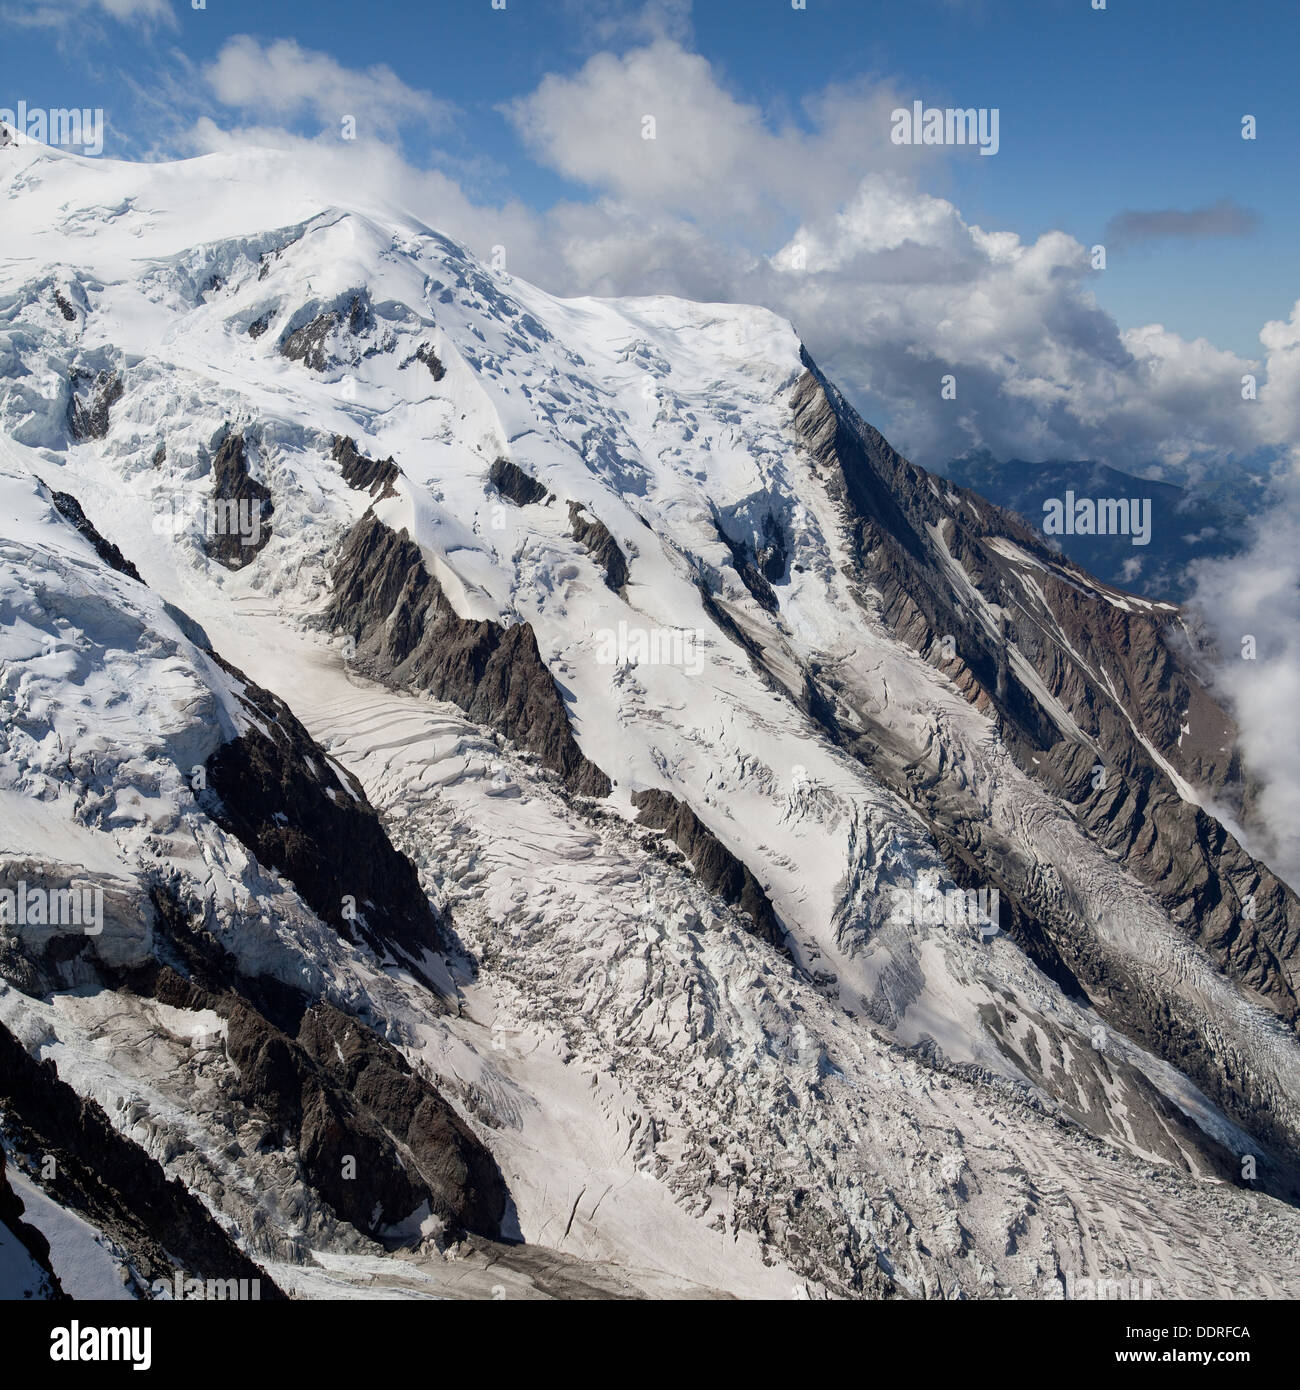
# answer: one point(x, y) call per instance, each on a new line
point(283, 80)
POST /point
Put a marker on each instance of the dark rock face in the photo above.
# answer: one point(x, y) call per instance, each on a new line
point(93, 396)
point(426, 354)
point(377, 1142)
point(278, 793)
point(260, 325)
point(66, 309)
point(408, 635)
point(1070, 631)
point(240, 510)
point(111, 1181)
point(309, 344)
point(70, 509)
point(604, 549)
point(715, 865)
point(365, 475)
point(759, 566)
point(512, 482)
point(459, 1176)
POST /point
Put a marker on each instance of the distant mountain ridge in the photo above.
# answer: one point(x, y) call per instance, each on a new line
point(1208, 520)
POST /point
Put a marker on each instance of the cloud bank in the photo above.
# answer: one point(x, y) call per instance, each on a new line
point(283, 80)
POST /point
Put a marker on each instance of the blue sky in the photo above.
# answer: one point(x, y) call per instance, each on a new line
point(1103, 114)
point(1134, 107)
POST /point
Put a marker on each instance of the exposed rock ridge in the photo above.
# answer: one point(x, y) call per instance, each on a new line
point(70, 510)
point(93, 396)
point(240, 508)
point(430, 358)
point(715, 864)
point(310, 343)
point(408, 635)
point(591, 532)
point(276, 790)
point(335, 1092)
point(513, 483)
point(375, 476)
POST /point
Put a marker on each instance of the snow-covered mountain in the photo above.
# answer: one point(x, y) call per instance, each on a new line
point(536, 760)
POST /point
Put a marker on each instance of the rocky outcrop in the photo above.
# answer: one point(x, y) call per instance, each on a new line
point(377, 1143)
point(310, 343)
point(276, 790)
point(307, 344)
point(112, 1182)
point(407, 634)
point(514, 484)
point(592, 533)
point(70, 510)
point(94, 394)
point(375, 476)
point(240, 509)
point(714, 864)
point(425, 353)
point(459, 1178)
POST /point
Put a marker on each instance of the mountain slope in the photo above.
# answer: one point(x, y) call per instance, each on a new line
point(610, 686)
